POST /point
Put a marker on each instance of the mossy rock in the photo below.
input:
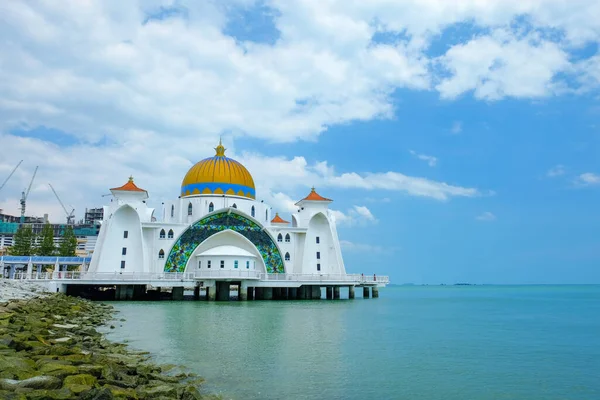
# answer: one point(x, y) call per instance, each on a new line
point(77, 389)
point(80, 379)
point(10, 395)
point(95, 370)
point(97, 394)
point(122, 393)
point(61, 394)
point(154, 392)
point(56, 369)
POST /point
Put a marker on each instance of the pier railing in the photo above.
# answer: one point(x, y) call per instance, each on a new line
point(355, 279)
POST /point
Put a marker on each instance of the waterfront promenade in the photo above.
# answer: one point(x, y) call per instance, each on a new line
point(210, 285)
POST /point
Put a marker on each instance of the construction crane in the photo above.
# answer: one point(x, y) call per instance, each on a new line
point(11, 174)
point(70, 215)
point(24, 196)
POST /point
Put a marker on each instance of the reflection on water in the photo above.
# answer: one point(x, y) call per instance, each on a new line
point(411, 343)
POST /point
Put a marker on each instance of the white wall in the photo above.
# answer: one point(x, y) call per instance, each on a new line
point(229, 263)
point(108, 257)
point(201, 205)
point(225, 238)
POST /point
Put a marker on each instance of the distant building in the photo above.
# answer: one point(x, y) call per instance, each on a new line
point(86, 233)
point(93, 215)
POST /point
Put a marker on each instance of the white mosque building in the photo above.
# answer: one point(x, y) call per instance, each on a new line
point(217, 230)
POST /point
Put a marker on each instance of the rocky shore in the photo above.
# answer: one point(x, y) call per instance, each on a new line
point(50, 349)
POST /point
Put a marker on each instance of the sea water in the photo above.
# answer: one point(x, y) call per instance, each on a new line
point(420, 342)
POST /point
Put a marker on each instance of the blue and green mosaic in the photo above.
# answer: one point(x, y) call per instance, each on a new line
point(208, 226)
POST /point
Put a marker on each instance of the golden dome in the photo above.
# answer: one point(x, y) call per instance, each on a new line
point(218, 175)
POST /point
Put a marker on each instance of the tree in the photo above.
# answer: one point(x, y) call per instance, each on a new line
point(47, 247)
point(68, 244)
point(23, 242)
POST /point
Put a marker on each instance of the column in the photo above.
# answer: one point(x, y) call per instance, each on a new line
point(375, 292)
point(350, 292)
point(366, 292)
point(211, 293)
point(177, 293)
point(243, 291)
point(329, 291)
point(196, 292)
point(268, 293)
point(293, 293)
point(316, 293)
point(223, 291)
point(336, 292)
point(300, 293)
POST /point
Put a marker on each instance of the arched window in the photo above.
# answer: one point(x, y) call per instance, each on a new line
point(279, 238)
point(190, 209)
point(287, 256)
point(170, 236)
point(211, 207)
point(287, 238)
point(252, 211)
point(172, 211)
point(161, 254)
point(234, 205)
point(162, 234)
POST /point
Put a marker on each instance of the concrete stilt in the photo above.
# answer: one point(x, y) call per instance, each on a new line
point(366, 293)
point(284, 293)
point(316, 293)
point(211, 293)
point(177, 293)
point(293, 293)
point(350, 292)
point(243, 292)
point(329, 291)
point(223, 291)
point(375, 292)
point(268, 293)
point(196, 292)
point(300, 293)
point(336, 292)
point(259, 293)
point(139, 292)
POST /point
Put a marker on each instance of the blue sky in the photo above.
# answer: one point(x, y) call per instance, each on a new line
point(459, 141)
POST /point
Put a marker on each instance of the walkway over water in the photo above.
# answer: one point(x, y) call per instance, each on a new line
point(192, 278)
point(215, 284)
point(52, 260)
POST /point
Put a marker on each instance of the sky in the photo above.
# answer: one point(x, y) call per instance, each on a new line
point(459, 140)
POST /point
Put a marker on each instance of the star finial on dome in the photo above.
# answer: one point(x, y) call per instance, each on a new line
point(220, 149)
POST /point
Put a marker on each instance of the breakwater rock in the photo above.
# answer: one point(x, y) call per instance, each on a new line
point(50, 349)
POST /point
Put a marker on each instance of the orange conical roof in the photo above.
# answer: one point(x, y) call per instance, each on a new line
point(129, 187)
point(278, 220)
point(314, 196)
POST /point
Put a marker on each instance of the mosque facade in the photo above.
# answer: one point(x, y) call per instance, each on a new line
point(216, 229)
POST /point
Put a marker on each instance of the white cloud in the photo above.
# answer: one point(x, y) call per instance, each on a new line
point(430, 160)
point(501, 65)
point(149, 98)
point(486, 217)
point(588, 179)
point(365, 248)
point(357, 215)
point(456, 127)
point(558, 170)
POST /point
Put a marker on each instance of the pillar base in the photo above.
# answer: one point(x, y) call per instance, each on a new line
point(375, 292)
point(366, 292)
point(177, 293)
point(350, 292)
point(329, 291)
point(268, 293)
point(336, 292)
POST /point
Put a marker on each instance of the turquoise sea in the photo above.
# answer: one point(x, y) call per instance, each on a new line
point(414, 342)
